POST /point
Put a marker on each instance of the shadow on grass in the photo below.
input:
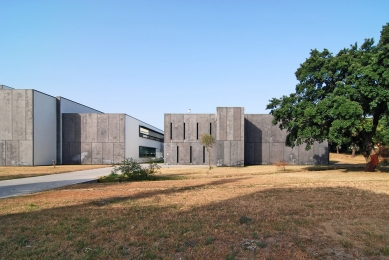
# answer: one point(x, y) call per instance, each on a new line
point(284, 223)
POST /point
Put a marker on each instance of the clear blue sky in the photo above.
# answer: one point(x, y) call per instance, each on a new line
point(146, 58)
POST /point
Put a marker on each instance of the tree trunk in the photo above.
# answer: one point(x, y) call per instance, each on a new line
point(353, 152)
point(337, 149)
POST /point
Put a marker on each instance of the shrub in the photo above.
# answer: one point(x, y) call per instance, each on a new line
point(130, 169)
point(280, 164)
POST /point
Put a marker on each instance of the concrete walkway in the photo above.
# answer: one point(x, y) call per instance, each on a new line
point(16, 187)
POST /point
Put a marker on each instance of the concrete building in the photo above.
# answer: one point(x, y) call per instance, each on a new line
point(39, 129)
point(241, 139)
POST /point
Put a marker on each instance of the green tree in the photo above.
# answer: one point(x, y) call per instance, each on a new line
point(208, 141)
point(341, 98)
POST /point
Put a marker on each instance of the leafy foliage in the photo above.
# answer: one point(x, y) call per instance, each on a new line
point(341, 98)
point(208, 141)
point(131, 170)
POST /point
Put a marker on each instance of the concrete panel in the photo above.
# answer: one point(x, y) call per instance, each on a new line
point(190, 121)
point(19, 115)
point(6, 115)
point(86, 153)
point(197, 153)
point(305, 157)
point(237, 124)
point(204, 120)
point(220, 152)
point(173, 153)
point(242, 134)
point(118, 152)
point(252, 128)
point(25, 152)
point(92, 127)
point(2, 152)
point(227, 153)
point(68, 133)
point(249, 153)
point(265, 125)
point(177, 127)
point(84, 127)
point(291, 155)
point(278, 135)
point(221, 132)
point(107, 153)
point(167, 121)
point(29, 106)
point(66, 153)
point(167, 154)
point(276, 152)
point(113, 128)
point(97, 151)
point(230, 123)
point(234, 153)
point(241, 152)
point(184, 153)
point(320, 151)
point(12, 153)
point(102, 128)
point(262, 153)
point(77, 127)
point(75, 154)
point(122, 128)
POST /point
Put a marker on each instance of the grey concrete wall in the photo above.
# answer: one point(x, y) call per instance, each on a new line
point(230, 136)
point(16, 127)
point(195, 126)
point(65, 105)
point(265, 144)
point(93, 138)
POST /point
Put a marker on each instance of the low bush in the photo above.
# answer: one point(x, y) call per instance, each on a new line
point(131, 170)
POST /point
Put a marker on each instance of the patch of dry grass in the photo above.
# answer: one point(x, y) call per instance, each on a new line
point(16, 172)
point(253, 212)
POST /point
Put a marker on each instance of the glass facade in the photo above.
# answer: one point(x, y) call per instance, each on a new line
point(150, 134)
point(145, 152)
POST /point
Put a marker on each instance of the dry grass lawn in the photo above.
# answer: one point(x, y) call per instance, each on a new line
point(255, 212)
point(16, 172)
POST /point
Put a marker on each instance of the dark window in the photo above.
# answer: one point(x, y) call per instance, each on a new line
point(197, 131)
point(150, 134)
point(203, 154)
point(146, 152)
point(210, 128)
point(171, 133)
point(178, 153)
point(190, 154)
point(184, 131)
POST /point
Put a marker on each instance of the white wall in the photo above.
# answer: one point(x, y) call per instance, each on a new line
point(45, 129)
point(133, 141)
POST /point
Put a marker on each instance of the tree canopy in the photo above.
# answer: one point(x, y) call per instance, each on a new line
point(343, 98)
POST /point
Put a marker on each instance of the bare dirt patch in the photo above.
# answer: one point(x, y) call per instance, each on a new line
point(16, 172)
point(255, 212)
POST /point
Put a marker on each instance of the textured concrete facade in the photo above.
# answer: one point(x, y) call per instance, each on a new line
point(182, 138)
point(240, 140)
point(35, 130)
point(16, 127)
point(265, 144)
point(92, 138)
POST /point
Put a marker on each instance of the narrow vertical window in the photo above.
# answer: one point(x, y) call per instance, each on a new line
point(184, 131)
point(197, 131)
point(210, 128)
point(171, 131)
point(178, 154)
point(203, 154)
point(190, 154)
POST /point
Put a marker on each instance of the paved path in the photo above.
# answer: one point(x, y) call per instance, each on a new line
point(16, 187)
